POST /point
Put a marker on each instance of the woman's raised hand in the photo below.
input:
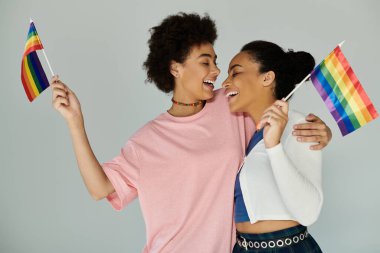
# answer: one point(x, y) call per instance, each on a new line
point(65, 101)
point(274, 120)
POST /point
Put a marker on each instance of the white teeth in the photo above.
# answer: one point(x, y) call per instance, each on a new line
point(209, 81)
point(232, 93)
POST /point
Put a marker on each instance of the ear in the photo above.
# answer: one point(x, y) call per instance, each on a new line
point(174, 68)
point(269, 78)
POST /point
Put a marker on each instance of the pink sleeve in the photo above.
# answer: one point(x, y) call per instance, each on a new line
point(123, 173)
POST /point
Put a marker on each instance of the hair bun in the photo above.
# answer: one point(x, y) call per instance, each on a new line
point(300, 64)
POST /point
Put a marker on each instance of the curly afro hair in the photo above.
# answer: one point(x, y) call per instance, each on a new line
point(172, 40)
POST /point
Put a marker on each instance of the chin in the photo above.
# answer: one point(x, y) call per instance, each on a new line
point(233, 108)
point(208, 96)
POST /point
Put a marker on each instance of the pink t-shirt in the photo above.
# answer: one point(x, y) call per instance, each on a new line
point(183, 171)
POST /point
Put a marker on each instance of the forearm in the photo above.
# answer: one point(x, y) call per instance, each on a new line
point(91, 171)
point(298, 180)
point(67, 104)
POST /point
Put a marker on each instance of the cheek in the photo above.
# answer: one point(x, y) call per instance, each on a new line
point(243, 85)
point(193, 79)
point(195, 72)
point(250, 88)
point(247, 92)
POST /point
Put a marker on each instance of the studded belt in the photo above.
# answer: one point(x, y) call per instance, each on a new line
point(274, 243)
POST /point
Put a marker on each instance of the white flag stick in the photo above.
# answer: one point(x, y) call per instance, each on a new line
point(296, 88)
point(51, 70)
point(43, 51)
point(304, 80)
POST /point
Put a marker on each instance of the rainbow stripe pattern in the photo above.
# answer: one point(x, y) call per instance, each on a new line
point(342, 92)
point(33, 76)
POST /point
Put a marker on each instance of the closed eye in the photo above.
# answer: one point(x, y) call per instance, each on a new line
point(235, 74)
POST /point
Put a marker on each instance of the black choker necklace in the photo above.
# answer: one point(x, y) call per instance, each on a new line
point(184, 104)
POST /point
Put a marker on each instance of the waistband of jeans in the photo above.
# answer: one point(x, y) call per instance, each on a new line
point(287, 232)
point(272, 240)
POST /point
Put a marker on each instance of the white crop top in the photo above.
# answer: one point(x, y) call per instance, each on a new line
point(283, 182)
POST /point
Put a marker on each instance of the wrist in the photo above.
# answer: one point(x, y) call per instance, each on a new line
point(75, 123)
point(271, 144)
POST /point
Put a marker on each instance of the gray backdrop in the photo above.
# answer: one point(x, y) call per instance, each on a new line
point(98, 49)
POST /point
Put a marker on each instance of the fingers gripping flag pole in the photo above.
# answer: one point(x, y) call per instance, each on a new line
point(33, 76)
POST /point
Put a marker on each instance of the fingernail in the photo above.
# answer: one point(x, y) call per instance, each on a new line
point(299, 139)
point(294, 132)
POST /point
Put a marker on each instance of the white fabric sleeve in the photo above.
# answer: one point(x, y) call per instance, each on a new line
point(298, 174)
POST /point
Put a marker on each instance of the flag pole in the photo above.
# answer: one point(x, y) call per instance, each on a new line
point(43, 51)
point(304, 80)
point(296, 88)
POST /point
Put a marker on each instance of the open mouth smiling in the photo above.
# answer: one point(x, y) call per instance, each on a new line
point(209, 83)
point(232, 94)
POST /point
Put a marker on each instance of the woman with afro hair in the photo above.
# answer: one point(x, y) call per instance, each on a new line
point(181, 165)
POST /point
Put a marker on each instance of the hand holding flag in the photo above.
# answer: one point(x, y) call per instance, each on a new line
point(66, 102)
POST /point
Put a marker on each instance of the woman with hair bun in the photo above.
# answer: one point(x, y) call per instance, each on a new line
point(182, 164)
point(278, 190)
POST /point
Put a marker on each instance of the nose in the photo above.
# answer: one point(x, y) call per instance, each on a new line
point(216, 71)
point(226, 83)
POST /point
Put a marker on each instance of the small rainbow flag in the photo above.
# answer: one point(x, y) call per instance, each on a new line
point(342, 92)
point(33, 76)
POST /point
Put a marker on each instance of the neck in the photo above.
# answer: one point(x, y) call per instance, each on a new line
point(184, 111)
point(256, 110)
point(180, 110)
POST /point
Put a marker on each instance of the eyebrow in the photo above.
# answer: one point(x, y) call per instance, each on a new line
point(233, 66)
point(207, 55)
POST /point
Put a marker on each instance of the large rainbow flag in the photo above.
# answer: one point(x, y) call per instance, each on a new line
point(342, 92)
point(33, 76)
